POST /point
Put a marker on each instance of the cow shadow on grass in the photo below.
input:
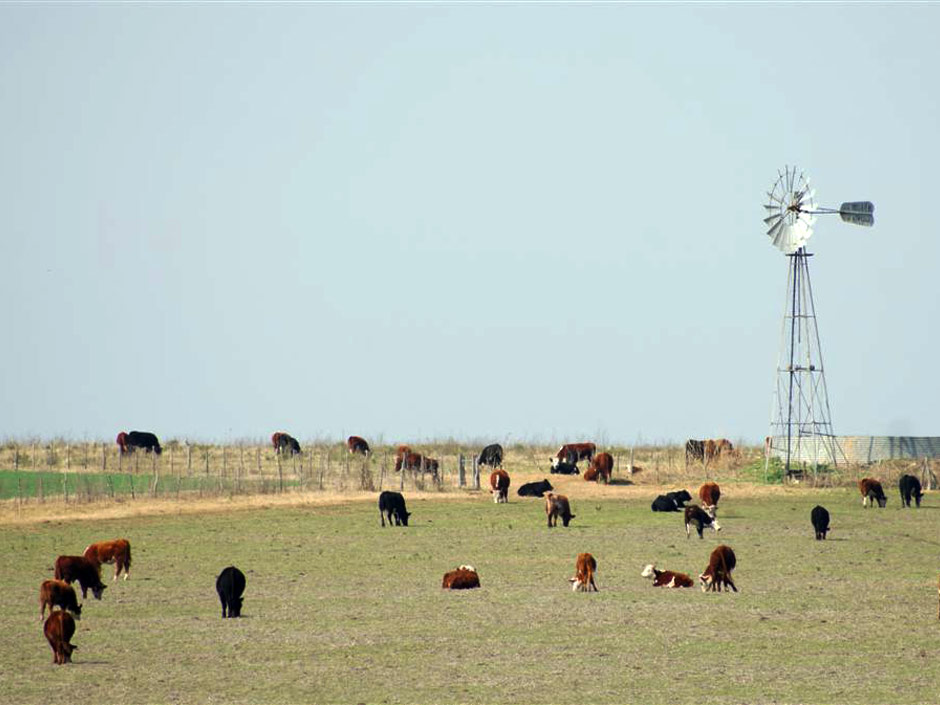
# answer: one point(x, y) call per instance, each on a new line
point(620, 482)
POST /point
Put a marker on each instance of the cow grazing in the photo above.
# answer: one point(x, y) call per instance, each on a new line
point(909, 486)
point(694, 450)
point(872, 491)
point(499, 481)
point(602, 465)
point(355, 444)
point(583, 581)
point(535, 489)
point(664, 504)
point(58, 593)
point(122, 443)
point(709, 493)
point(230, 585)
point(392, 504)
point(667, 578)
point(820, 518)
point(59, 629)
point(573, 452)
point(117, 551)
point(718, 573)
point(492, 455)
point(700, 519)
point(556, 505)
point(565, 469)
point(85, 571)
point(140, 439)
point(285, 444)
point(463, 578)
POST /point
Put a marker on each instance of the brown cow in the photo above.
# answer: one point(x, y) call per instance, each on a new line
point(573, 452)
point(700, 519)
point(122, 443)
point(59, 629)
point(666, 578)
point(557, 505)
point(709, 493)
point(499, 481)
point(357, 444)
point(463, 578)
point(86, 572)
point(602, 466)
point(117, 551)
point(58, 593)
point(276, 440)
point(725, 447)
point(871, 492)
point(585, 567)
point(710, 449)
point(718, 572)
point(416, 461)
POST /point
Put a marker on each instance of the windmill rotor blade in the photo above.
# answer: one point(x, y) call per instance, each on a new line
point(775, 216)
point(858, 213)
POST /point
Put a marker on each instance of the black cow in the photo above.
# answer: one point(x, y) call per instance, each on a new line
point(287, 444)
point(820, 519)
point(680, 497)
point(565, 469)
point(492, 455)
point(230, 585)
point(909, 486)
point(694, 450)
point(142, 439)
point(664, 504)
point(697, 517)
point(392, 504)
point(535, 489)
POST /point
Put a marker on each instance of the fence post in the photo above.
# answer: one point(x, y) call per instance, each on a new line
point(68, 456)
point(280, 474)
point(207, 461)
point(382, 471)
point(476, 474)
point(189, 459)
point(104, 458)
point(461, 471)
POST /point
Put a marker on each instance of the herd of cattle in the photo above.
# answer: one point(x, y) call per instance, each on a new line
point(85, 569)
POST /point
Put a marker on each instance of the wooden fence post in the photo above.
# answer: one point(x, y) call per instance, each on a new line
point(476, 474)
point(189, 459)
point(461, 471)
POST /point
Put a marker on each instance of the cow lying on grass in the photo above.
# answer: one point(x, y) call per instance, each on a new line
point(463, 578)
point(666, 578)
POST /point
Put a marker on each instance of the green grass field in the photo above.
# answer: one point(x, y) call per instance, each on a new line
point(339, 610)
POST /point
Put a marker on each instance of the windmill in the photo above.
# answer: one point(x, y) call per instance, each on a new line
point(801, 423)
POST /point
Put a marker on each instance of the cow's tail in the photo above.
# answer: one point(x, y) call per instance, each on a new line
point(128, 561)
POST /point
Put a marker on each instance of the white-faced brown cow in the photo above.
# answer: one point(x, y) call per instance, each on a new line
point(58, 593)
point(872, 492)
point(718, 573)
point(499, 481)
point(117, 551)
point(583, 581)
point(666, 578)
point(572, 453)
point(463, 578)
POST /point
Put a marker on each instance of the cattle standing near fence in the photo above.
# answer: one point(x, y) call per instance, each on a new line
point(58, 593)
point(491, 455)
point(86, 572)
point(583, 581)
point(872, 492)
point(720, 564)
point(392, 504)
point(694, 450)
point(416, 461)
point(285, 444)
point(602, 466)
point(557, 505)
point(499, 481)
point(230, 585)
point(535, 489)
point(463, 578)
point(117, 551)
point(667, 578)
point(909, 487)
point(59, 630)
point(357, 445)
point(129, 442)
point(573, 453)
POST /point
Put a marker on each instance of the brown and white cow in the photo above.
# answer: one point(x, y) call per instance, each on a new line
point(117, 551)
point(872, 492)
point(718, 573)
point(59, 629)
point(357, 444)
point(709, 493)
point(602, 465)
point(583, 581)
point(463, 578)
point(556, 505)
point(85, 571)
point(122, 443)
point(700, 519)
point(499, 481)
point(667, 578)
point(574, 452)
point(416, 461)
point(58, 593)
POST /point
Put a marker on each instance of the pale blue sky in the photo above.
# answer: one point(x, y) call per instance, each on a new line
point(411, 221)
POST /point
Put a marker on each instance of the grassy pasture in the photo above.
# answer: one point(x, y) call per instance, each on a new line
point(338, 609)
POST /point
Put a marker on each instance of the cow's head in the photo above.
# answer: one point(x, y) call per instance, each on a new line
point(467, 567)
point(547, 486)
point(403, 517)
point(96, 590)
point(648, 571)
point(710, 510)
point(67, 650)
point(707, 579)
point(235, 607)
point(882, 501)
point(76, 611)
point(555, 460)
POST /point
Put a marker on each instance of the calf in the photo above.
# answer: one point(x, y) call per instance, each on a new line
point(565, 469)
point(909, 486)
point(117, 551)
point(230, 585)
point(583, 581)
point(709, 493)
point(499, 481)
point(603, 465)
point(463, 578)
point(718, 572)
point(392, 504)
point(820, 518)
point(872, 491)
point(667, 578)
point(357, 444)
point(85, 571)
point(58, 593)
point(556, 505)
point(664, 504)
point(535, 489)
point(695, 516)
point(59, 629)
